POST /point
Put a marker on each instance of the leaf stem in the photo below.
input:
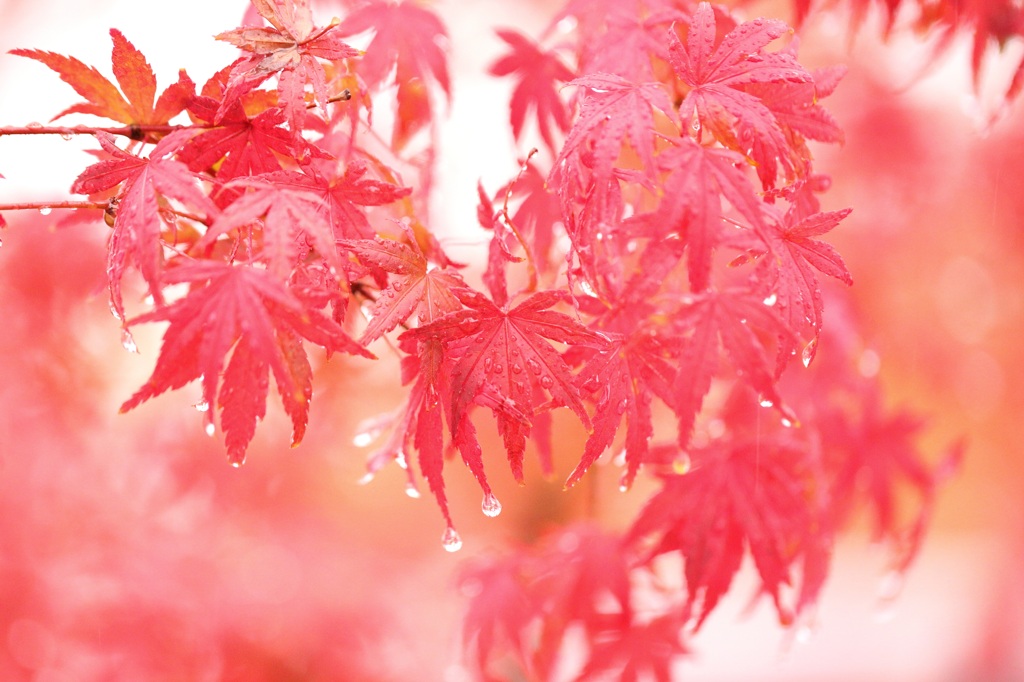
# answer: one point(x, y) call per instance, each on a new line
point(48, 205)
point(531, 266)
point(133, 131)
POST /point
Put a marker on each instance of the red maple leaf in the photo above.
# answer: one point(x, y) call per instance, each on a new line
point(408, 41)
point(289, 48)
point(240, 145)
point(248, 314)
point(691, 206)
point(715, 80)
point(145, 185)
point(291, 220)
point(501, 358)
point(739, 320)
point(135, 76)
point(614, 110)
point(637, 652)
point(787, 271)
point(759, 493)
point(419, 288)
point(538, 73)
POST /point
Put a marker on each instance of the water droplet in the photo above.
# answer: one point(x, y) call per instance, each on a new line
point(788, 423)
point(804, 634)
point(128, 341)
point(451, 540)
point(546, 381)
point(623, 488)
point(490, 506)
point(517, 368)
point(771, 300)
point(389, 293)
point(202, 406)
point(210, 429)
point(681, 464)
point(45, 210)
point(361, 440)
point(534, 366)
point(498, 368)
point(621, 407)
point(422, 316)
point(808, 353)
point(765, 402)
point(365, 478)
point(412, 491)
point(398, 285)
point(402, 460)
point(237, 463)
point(488, 364)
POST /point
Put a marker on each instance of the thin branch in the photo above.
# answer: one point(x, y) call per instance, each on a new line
point(50, 205)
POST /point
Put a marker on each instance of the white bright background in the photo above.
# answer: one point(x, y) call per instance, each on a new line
point(924, 637)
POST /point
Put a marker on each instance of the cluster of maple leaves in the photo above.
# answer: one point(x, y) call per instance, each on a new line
point(665, 247)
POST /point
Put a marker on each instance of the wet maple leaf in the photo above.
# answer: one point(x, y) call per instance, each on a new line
point(787, 267)
point(738, 320)
point(697, 179)
point(245, 313)
point(614, 110)
point(289, 48)
point(137, 106)
point(538, 74)
point(145, 185)
point(501, 358)
point(290, 221)
point(407, 40)
point(240, 145)
point(419, 288)
point(716, 77)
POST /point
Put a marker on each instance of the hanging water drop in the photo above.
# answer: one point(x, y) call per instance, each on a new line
point(365, 478)
point(788, 423)
point(66, 136)
point(412, 491)
point(451, 540)
point(210, 429)
point(128, 341)
point(45, 210)
point(808, 353)
point(490, 506)
point(402, 460)
point(681, 464)
point(771, 300)
point(236, 461)
point(765, 402)
point(202, 406)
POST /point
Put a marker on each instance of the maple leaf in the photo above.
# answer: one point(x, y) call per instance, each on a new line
point(740, 320)
point(248, 314)
point(691, 204)
point(145, 184)
point(419, 288)
point(756, 493)
point(501, 358)
point(500, 612)
point(633, 368)
point(630, 42)
point(637, 650)
point(290, 219)
point(240, 145)
point(345, 196)
point(136, 107)
point(289, 48)
point(716, 78)
point(788, 272)
point(407, 39)
point(614, 110)
point(537, 73)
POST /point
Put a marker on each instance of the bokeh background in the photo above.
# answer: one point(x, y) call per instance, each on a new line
point(129, 549)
